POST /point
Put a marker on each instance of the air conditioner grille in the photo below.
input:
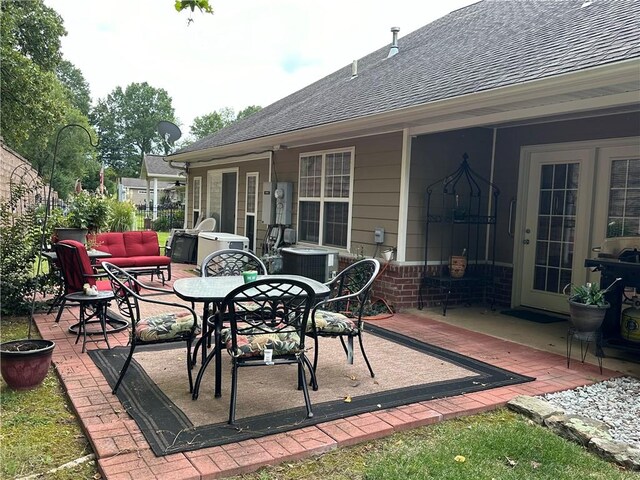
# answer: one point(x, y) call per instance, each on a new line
point(309, 265)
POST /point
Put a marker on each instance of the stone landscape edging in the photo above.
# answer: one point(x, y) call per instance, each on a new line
point(592, 434)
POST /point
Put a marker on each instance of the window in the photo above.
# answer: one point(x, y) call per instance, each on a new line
point(325, 198)
point(624, 198)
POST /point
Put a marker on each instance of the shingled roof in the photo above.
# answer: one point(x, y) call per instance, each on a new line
point(487, 45)
point(156, 166)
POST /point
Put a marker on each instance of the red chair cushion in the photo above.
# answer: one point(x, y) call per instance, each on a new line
point(68, 260)
point(103, 285)
point(156, 260)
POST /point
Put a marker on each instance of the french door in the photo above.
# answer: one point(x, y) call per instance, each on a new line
point(556, 227)
point(573, 197)
point(222, 189)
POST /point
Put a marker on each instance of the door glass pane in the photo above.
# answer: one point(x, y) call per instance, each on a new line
point(252, 185)
point(556, 227)
point(624, 198)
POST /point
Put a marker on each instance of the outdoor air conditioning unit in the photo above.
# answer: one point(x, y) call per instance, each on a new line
point(209, 242)
point(315, 263)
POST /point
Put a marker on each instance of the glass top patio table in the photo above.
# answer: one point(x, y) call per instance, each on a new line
point(214, 290)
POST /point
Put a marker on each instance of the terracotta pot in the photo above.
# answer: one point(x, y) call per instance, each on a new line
point(25, 363)
point(457, 266)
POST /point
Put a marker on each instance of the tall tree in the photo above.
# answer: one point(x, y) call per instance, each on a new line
point(33, 101)
point(77, 88)
point(250, 110)
point(212, 122)
point(126, 121)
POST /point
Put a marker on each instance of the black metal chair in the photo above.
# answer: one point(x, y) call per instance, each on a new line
point(272, 334)
point(159, 328)
point(340, 315)
point(225, 263)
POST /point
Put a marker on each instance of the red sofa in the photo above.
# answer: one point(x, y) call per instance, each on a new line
point(138, 251)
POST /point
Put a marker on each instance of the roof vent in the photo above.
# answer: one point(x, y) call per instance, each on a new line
point(354, 69)
point(394, 42)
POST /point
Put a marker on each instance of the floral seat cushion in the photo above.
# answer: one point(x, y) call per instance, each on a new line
point(253, 342)
point(332, 323)
point(165, 327)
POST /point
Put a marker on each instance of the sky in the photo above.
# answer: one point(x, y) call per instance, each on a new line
point(249, 52)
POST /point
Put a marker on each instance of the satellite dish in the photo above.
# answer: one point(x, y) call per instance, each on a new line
point(169, 131)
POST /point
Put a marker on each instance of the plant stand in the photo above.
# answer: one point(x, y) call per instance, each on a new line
point(93, 310)
point(585, 339)
point(460, 236)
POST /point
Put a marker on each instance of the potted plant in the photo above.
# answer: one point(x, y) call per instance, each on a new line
point(86, 213)
point(588, 306)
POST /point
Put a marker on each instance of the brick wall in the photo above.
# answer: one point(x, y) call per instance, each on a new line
point(14, 167)
point(399, 286)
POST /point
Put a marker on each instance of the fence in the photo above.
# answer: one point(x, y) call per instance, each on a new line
point(169, 215)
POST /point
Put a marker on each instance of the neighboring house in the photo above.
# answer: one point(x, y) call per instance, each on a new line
point(136, 190)
point(156, 171)
point(526, 88)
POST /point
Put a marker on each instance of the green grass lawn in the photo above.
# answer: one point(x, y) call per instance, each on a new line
point(497, 445)
point(38, 430)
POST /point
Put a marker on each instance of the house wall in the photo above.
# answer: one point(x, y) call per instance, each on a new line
point(376, 185)
point(14, 169)
point(377, 190)
point(432, 158)
point(259, 165)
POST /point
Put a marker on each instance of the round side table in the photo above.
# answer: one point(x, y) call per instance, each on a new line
point(93, 316)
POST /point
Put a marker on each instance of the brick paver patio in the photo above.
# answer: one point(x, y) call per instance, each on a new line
point(123, 453)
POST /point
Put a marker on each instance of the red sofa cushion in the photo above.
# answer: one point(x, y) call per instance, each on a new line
point(111, 242)
point(122, 262)
point(151, 261)
point(141, 243)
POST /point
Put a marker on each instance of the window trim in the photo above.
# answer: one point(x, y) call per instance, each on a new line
point(198, 209)
point(253, 214)
point(322, 199)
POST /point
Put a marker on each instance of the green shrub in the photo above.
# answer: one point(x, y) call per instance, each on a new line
point(19, 248)
point(123, 216)
point(89, 211)
point(167, 222)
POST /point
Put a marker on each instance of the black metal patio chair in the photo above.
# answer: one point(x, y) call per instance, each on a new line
point(169, 326)
point(271, 334)
point(340, 315)
point(225, 263)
